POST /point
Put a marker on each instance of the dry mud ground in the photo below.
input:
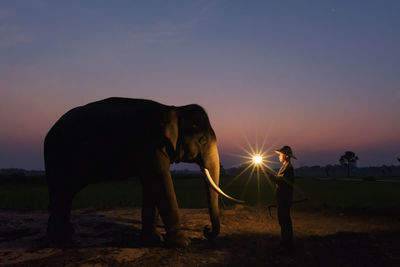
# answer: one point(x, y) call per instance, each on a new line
point(249, 237)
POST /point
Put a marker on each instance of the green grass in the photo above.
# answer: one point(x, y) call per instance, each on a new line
point(23, 197)
point(326, 193)
point(125, 193)
point(191, 194)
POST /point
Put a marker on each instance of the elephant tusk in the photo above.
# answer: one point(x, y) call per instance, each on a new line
point(217, 189)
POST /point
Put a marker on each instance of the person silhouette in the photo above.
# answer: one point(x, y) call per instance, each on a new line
point(284, 181)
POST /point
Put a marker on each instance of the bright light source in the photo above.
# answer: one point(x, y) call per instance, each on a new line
point(257, 159)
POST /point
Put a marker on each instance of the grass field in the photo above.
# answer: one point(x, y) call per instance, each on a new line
point(32, 195)
point(337, 226)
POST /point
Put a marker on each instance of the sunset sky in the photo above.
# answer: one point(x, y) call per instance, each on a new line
point(320, 76)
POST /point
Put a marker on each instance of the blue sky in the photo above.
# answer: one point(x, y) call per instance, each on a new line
point(321, 76)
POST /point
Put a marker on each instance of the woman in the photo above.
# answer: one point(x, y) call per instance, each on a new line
point(284, 181)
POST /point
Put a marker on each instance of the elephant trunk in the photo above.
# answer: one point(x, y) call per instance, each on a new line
point(212, 168)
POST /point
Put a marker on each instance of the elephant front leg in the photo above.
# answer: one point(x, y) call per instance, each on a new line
point(149, 236)
point(167, 204)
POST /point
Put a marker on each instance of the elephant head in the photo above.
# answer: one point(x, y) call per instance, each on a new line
point(195, 142)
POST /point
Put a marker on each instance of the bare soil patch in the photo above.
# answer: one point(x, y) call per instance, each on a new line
point(249, 236)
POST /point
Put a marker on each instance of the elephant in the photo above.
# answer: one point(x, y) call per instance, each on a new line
point(117, 138)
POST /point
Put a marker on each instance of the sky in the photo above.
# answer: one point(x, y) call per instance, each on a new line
point(320, 76)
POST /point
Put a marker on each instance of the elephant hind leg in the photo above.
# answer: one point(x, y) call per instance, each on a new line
point(150, 235)
point(59, 227)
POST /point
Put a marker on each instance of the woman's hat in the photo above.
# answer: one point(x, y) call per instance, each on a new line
point(285, 150)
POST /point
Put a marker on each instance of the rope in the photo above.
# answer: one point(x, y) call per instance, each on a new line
point(293, 202)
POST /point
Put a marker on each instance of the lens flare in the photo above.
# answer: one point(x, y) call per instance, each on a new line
point(257, 159)
point(256, 167)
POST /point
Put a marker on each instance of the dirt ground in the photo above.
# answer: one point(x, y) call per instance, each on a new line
point(249, 237)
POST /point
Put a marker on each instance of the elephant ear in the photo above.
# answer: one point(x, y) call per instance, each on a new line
point(170, 127)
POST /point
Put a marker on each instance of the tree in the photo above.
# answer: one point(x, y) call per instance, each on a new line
point(348, 160)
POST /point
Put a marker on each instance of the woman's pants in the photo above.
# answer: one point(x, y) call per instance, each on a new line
point(286, 224)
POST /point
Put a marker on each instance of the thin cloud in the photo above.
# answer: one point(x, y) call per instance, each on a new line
point(164, 31)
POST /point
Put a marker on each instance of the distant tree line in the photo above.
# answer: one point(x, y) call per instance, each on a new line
point(20, 172)
point(337, 170)
point(347, 167)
